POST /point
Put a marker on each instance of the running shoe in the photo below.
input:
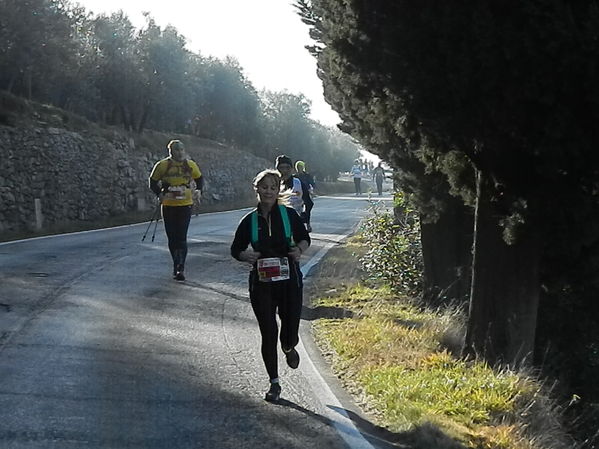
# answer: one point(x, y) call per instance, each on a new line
point(292, 358)
point(274, 393)
point(179, 276)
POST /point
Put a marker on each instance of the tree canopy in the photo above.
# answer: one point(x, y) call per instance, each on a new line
point(105, 69)
point(494, 104)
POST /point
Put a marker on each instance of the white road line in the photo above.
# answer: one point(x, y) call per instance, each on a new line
point(316, 258)
point(110, 228)
point(340, 419)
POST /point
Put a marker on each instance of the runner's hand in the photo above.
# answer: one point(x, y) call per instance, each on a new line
point(295, 253)
point(197, 196)
point(249, 256)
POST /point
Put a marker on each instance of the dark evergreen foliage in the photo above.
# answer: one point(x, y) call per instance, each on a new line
point(495, 103)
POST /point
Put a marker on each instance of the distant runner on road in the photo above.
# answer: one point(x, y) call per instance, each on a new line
point(308, 184)
point(278, 238)
point(356, 172)
point(171, 180)
point(294, 185)
point(378, 175)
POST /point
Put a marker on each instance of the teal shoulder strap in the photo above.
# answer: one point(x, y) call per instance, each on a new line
point(254, 226)
point(286, 226)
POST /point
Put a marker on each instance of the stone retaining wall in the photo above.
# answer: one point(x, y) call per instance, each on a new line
point(75, 176)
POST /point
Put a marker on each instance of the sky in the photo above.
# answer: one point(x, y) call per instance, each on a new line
point(267, 37)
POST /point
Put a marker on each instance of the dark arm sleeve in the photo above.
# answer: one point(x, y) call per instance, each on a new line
point(242, 237)
point(199, 183)
point(305, 192)
point(154, 186)
point(297, 227)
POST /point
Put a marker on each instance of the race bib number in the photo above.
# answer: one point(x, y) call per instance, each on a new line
point(176, 192)
point(273, 269)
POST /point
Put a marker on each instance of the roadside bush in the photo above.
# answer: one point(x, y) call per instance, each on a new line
point(394, 252)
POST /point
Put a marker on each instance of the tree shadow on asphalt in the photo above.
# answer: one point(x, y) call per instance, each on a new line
point(220, 291)
point(329, 422)
point(424, 436)
point(308, 313)
point(310, 413)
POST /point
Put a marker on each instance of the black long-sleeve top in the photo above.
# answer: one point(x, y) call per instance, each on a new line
point(271, 234)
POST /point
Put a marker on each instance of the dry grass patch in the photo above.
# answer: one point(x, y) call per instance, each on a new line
point(392, 354)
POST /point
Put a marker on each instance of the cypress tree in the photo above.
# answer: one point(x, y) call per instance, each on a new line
point(497, 99)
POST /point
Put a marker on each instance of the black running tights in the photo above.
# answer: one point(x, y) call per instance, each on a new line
point(284, 297)
point(358, 187)
point(176, 222)
point(307, 211)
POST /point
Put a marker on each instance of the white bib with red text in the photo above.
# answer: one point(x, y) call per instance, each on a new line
point(273, 269)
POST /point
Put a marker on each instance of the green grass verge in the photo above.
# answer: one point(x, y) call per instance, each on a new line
point(393, 353)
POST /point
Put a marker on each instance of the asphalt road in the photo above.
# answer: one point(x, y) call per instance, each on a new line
point(100, 348)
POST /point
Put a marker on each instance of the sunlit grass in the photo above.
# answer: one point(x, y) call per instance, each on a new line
point(441, 386)
point(392, 352)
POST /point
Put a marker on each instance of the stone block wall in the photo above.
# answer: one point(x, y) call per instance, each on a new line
point(80, 176)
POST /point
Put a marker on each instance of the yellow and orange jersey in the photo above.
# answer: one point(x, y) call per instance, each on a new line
point(177, 176)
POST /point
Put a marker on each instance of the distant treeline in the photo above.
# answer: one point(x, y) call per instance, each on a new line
point(105, 69)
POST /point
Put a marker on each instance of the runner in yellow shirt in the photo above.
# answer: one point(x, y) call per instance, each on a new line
point(172, 180)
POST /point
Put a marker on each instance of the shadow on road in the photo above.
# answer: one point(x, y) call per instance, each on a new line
point(220, 291)
point(425, 436)
point(309, 413)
